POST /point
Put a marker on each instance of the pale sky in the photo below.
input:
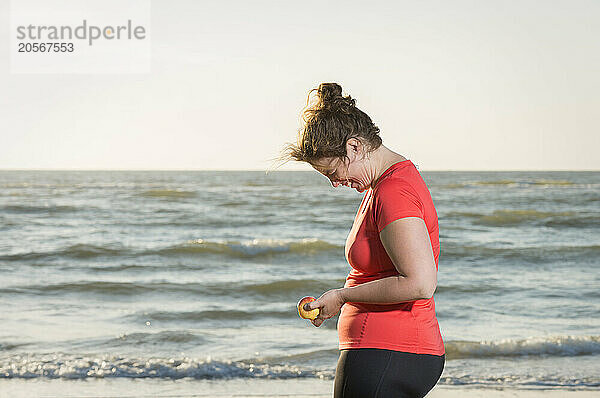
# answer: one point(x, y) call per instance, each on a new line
point(453, 85)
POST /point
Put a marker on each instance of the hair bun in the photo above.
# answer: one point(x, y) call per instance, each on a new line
point(330, 97)
point(329, 91)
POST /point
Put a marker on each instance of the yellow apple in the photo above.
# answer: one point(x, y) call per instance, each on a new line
point(312, 314)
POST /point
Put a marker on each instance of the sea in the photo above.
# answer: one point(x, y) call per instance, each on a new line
point(196, 274)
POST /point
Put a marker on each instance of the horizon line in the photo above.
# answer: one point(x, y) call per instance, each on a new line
point(276, 170)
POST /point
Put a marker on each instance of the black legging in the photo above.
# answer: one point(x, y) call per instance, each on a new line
point(377, 373)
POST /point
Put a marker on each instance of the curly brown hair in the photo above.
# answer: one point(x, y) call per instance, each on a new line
point(328, 124)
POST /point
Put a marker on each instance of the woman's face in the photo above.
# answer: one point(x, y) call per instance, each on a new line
point(352, 174)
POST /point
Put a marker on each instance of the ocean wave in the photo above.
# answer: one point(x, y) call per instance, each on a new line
point(216, 221)
point(526, 213)
point(529, 381)
point(284, 289)
point(212, 315)
point(79, 251)
point(160, 338)
point(532, 254)
point(550, 182)
point(88, 287)
point(475, 288)
point(534, 346)
point(235, 203)
point(11, 346)
point(467, 370)
point(6, 222)
point(37, 209)
point(246, 249)
point(580, 221)
point(314, 358)
point(34, 185)
point(507, 218)
point(514, 183)
point(251, 248)
point(133, 267)
point(65, 366)
point(168, 193)
point(291, 285)
point(493, 182)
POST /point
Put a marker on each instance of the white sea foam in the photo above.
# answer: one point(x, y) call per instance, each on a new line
point(533, 346)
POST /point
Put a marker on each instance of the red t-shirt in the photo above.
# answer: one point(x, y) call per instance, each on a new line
point(408, 326)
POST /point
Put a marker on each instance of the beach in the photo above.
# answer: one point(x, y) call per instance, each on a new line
point(245, 388)
point(162, 283)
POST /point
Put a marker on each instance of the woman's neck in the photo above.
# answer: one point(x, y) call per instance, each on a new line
point(382, 159)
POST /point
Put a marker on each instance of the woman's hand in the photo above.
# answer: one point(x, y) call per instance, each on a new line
point(329, 304)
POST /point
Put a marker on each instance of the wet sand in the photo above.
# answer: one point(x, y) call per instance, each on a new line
point(239, 388)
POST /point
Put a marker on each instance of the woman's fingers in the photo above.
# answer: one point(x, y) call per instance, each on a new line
point(328, 304)
point(321, 306)
point(318, 303)
point(318, 321)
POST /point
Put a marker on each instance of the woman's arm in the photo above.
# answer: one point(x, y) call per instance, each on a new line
point(407, 243)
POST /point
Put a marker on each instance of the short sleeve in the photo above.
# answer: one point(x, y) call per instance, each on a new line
point(394, 199)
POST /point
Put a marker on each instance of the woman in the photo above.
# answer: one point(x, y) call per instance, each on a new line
point(389, 339)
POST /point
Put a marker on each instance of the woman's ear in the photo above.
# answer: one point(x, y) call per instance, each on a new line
point(355, 147)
